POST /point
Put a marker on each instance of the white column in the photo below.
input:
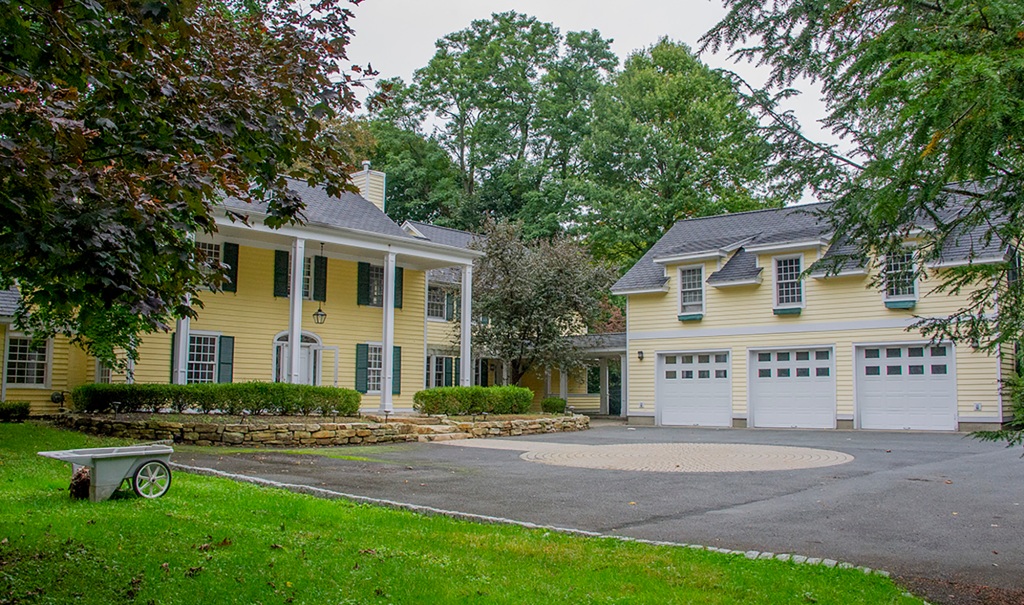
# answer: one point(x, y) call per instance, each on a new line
point(604, 385)
point(563, 384)
point(466, 323)
point(388, 335)
point(623, 403)
point(181, 330)
point(295, 310)
point(547, 382)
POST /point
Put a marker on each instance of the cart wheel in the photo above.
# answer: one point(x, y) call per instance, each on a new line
point(152, 480)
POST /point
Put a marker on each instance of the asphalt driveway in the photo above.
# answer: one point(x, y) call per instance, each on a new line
point(938, 506)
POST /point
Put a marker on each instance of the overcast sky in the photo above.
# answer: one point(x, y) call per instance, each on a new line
point(397, 36)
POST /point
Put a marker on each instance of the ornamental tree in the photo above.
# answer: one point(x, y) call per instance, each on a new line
point(535, 296)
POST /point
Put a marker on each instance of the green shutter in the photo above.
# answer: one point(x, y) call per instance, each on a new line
point(396, 372)
point(231, 260)
point(447, 371)
point(174, 353)
point(458, 369)
point(281, 260)
point(362, 360)
point(226, 359)
point(320, 278)
point(398, 287)
point(449, 306)
point(363, 284)
point(484, 366)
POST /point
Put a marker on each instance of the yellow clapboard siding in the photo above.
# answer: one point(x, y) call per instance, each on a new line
point(254, 317)
point(744, 317)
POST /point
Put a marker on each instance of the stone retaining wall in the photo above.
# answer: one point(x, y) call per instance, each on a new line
point(256, 433)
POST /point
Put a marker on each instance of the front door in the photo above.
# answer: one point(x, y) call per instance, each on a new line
point(309, 360)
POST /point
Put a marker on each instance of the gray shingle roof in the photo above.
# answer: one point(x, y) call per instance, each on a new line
point(615, 341)
point(741, 267)
point(9, 302)
point(347, 211)
point(712, 233)
point(444, 235)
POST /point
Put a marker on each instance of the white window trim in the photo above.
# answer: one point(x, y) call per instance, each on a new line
point(444, 310)
point(100, 366)
point(374, 344)
point(800, 280)
point(703, 289)
point(216, 352)
point(885, 285)
point(312, 276)
point(48, 376)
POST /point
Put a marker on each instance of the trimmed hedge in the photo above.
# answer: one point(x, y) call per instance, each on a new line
point(256, 398)
point(14, 411)
point(463, 401)
point(552, 405)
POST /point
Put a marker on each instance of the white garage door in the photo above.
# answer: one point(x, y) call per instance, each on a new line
point(695, 389)
point(906, 387)
point(793, 388)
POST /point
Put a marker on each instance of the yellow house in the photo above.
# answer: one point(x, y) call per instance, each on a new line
point(727, 327)
point(349, 285)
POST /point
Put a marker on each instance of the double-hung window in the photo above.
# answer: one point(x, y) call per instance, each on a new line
point(26, 362)
point(691, 290)
point(437, 302)
point(900, 278)
point(376, 286)
point(307, 278)
point(789, 288)
point(202, 358)
point(374, 368)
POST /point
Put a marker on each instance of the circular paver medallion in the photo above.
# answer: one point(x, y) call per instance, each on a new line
point(686, 457)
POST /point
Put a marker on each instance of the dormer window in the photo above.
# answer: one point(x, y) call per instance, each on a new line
point(691, 293)
point(789, 288)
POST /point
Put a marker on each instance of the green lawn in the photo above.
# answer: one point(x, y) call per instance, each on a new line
point(214, 541)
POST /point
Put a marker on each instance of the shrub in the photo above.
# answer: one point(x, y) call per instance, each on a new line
point(14, 411)
point(462, 401)
point(230, 398)
point(553, 405)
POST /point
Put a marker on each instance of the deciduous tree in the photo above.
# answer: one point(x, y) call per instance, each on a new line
point(670, 139)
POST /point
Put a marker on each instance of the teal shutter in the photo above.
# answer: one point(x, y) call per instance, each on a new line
point(458, 368)
point(396, 372)
point(320, 278)
point(447, 371)
point(362, 360)
point(398, 287)
point(363, 284)
point(174, 354)
point(449, 306)
point(226, 359)
point(281, 260)
point(231, 260)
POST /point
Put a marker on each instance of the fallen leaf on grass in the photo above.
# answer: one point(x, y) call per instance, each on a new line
point(193, 571)
point(368, 551)
point(276, 547)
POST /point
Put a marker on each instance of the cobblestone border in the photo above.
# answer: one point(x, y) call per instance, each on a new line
point(320, 492)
